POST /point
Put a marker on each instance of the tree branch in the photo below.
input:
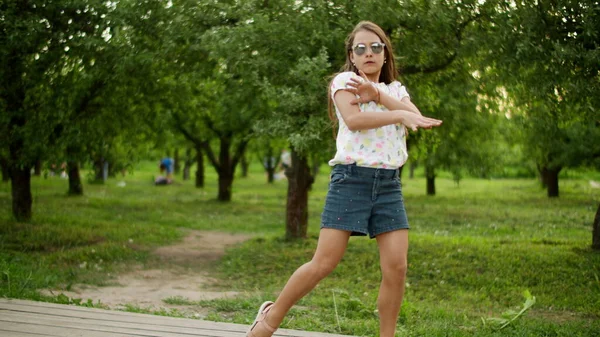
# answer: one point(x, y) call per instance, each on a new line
point(209, 124)
point(92, 93)
point(239, 152)
point(178, 124)
point(426, 69)
point(211, 155)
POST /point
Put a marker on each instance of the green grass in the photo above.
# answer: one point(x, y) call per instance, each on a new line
point(474, 249)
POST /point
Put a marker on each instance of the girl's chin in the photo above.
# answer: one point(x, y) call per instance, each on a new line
point(370, 69)
point(371, 66)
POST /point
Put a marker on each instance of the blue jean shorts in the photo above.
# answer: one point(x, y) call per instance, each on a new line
point(364, 200)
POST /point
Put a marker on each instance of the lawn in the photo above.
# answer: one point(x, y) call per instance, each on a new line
point(475, 249)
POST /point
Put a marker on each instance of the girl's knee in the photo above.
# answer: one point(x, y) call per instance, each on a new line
point(322, 268)
point(395, 271)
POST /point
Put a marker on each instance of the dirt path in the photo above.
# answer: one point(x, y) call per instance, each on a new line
point(181, 275)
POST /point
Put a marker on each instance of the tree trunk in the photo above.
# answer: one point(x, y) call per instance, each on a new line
point(225, 184)
point(20, 177)
point(186, 170)
point(316, 166)
point(270, 163)
point(596, 231)
point(200, 166)
point(542, 177)
point(270, 175)
point(412, 167)
point(176, 165)
point(188, 164)
point(299, 182)
point(5, 170)
point(245, 165)
point(430, 175)
point(75, 186)
point(21, 192)
point(98, 170)
point(225, 170)
point(550, 178)
point(37, 168)
point(400, 169)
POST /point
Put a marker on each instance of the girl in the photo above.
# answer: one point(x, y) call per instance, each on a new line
point(365, 195)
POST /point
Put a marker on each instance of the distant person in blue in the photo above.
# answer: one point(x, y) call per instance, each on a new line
point(166, 165)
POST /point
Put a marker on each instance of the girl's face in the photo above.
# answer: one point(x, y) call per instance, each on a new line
point(368, 54)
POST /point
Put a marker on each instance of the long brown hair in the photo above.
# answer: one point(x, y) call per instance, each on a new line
point(388, 71)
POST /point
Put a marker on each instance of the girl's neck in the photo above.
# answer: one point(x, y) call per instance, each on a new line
point(374, 77)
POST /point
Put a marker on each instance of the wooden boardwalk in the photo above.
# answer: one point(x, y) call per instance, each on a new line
point(20, 318)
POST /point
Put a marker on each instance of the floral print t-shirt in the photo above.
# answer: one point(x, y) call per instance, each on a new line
point(383, 147)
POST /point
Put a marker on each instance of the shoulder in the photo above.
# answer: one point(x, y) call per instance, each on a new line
point(395, 84)
point(345, 75)
point(340, 79)
point(397, 89)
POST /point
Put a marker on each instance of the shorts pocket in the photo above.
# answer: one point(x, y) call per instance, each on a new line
point(337, 178)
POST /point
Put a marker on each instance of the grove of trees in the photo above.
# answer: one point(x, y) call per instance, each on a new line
point(94, 82)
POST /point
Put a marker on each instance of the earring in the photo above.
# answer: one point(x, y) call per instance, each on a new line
point(384, 61)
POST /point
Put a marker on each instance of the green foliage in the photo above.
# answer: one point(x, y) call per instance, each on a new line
point(546, 57)
point(468, 139)
point(43, 44)
point(510, 316)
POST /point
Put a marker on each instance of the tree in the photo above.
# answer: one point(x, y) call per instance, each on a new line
point(293, 80)
point(467, 141)
point(294, 71)
point(596, 231)
point(208, 100)
point(4, 167)
point(38, 38)
point(109, 84)
point(267, 151)
point(546, 56)
point(300, 112)
point(440, 47)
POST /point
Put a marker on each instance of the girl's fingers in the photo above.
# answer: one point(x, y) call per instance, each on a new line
point(432, 121)
point(363, 75)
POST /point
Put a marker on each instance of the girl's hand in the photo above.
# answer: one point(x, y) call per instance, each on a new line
point(413, 121)
point(365, 89)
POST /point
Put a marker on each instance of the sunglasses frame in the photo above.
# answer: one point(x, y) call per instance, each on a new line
point(356, 46)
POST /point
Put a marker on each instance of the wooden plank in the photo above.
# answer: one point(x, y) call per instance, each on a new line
point(73, 318)
point(113, 327)
point(57, 331)
point(9, 333)
point(71, 312)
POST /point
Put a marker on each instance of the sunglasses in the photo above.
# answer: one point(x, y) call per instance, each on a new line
point(361, 48)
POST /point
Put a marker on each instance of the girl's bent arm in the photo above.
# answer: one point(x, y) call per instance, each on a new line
point(368, 91)
point(357, 120)
point(392, 103)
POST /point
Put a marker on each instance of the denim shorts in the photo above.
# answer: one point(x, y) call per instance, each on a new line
point(364, 200)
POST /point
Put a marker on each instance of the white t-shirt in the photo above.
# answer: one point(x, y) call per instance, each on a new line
point(383, 147)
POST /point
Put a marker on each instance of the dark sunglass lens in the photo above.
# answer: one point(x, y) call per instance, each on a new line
point(377, 48)
point(360, 49)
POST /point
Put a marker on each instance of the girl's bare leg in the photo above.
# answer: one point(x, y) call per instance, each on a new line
point(330, 250)
point(393, 250)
